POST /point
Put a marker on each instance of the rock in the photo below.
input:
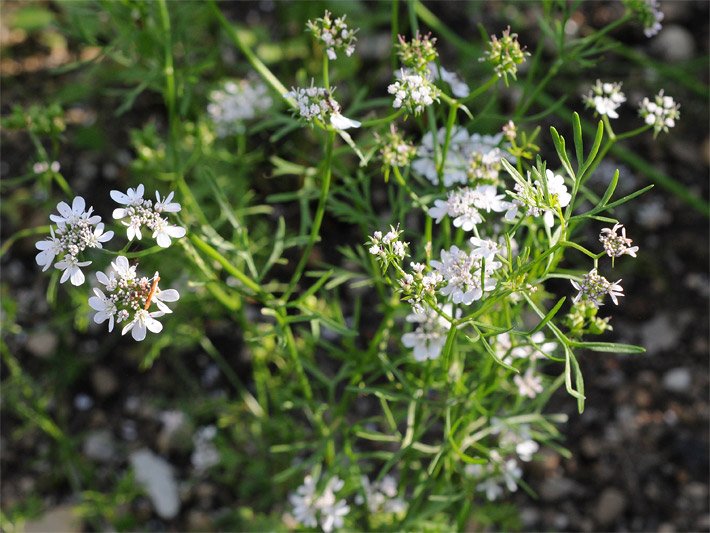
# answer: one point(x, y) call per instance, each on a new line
point(557, 488)
point(610, 506)
point(199, 521)
point(104, 381)
point(60, 518)
point(42, 344)
point(155, 474)
point(660, 334)
point(99, 446)
point(674, 43)
point(677, 380)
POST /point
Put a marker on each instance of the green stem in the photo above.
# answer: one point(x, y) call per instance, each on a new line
point(382, 120)
point(280, 315)
point(318, 219)
point(482, 89)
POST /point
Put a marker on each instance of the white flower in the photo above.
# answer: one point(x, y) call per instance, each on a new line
point(484, 248)
point(160, 297)
point(462, 273)
point(70, 216)
point(105, 308)
point(412, 92)
point(458, 87)
point(334, 34)
point(528, 385)
point(617, 245)
point(381, 496)
point(141, 212)
point(594, 287)
point(132, 197)
point(235, 102)
point(304, 503)
point(143, 321)
point(556, 188)
point(166, 204)
point(661, 113)
point(72, 269)
point(605, 98)
point(339, 122)
point(314, 103)
point(527, 449)
point(429, 337)
point(49, 250)
point(205, 454)
point(163, 232)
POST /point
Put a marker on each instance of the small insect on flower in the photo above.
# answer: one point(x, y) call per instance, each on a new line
point(126, 295)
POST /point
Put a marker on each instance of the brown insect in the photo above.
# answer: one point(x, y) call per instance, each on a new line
point(153, 287)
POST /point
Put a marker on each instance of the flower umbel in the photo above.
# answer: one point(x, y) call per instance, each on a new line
point(413, 92)
point(594, 287)
point(334, 34)
point(76, 231)
point(505, 54)
point(417, 53)
point(605, 98)
point(127, 294)
point(139, 212)
point(617, 245)
point(311, 508)
point(649, 14)
point(661, 113)
point(235, 102)
point(317, 103)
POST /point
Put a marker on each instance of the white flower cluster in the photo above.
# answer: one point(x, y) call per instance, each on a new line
point(236, 102)
point(139, 212)
point(42, 166)
point(458, 87)
point(129, 297)
point(381, 496)
point(594, 288)
point(531, 195)
point(517, 438)
point(77, 229)
point(413, 92)
point(395, 151)
point(528, 384)
point(388, 248)
point(311, 508)
point(417, 287)
point(617, 245)
point(468, 157)
point(334, 34)
point(316, 103)
point(649, 14)
point(536, 349)
point(605, 98)
point(464, 205)
point(661, 113)
point(498, 473)
point(429, 337)
point(466, 279)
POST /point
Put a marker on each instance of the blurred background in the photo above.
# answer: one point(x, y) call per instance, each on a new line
point(76, 404)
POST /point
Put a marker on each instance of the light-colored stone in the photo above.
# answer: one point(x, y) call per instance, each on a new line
point(99, 446)
point(104, 381)
point(60, 518)
point(677, 380)
point(610, 506)
point(42, 343)
point(155, 474)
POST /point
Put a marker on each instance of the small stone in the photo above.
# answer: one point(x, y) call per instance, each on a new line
point(199, 521)
point(677, 380)
point(590, 447)
point(104, 381)
point(155, 474)
point(99, 446)
point(610, 506)
point(60, 518)
point(42, 344)
point(557, 488)
point(674, 43)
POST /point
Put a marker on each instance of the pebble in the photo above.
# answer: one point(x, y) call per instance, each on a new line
point(99, 446)
point(155, 474)
point(104, 381)
point(677, 380)
point(42, 344)
point(557, 488)
point(610, 506)
point(674, 43)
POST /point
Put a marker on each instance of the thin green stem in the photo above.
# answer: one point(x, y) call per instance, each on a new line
point(318, 218)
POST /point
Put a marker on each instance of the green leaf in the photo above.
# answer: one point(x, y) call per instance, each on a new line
point(611, 347)
point(561, 149)
point(610, 189)
point(549, 316)
point(595, 148)
point(578, 141)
